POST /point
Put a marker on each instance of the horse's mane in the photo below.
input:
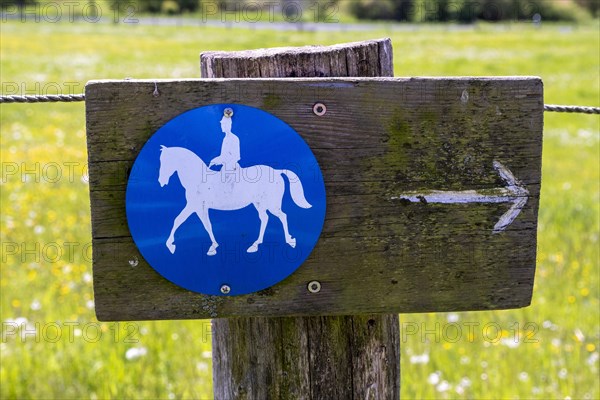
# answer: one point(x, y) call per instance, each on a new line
point(184, 155)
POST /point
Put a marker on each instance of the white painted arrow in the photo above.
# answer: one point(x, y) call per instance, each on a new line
point(514, 192)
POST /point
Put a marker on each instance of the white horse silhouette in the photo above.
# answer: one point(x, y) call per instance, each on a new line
point(206, 189)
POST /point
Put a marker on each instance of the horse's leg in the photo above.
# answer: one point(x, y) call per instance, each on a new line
point(275, 208)
point(283, 218)
point(203, 215)
point(180, 219)
point(264, 219)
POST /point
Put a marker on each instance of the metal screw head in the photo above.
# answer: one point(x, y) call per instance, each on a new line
point(319, 109)
point(314, 286)
point(134, 261)
point(225, 289)
point(228, 112)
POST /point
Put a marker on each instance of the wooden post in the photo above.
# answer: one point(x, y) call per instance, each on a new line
point(340, 357)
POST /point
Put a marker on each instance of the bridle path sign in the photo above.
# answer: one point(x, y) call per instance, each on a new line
point(432, 193)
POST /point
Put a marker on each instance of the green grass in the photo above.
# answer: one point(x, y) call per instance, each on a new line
point(559, 360)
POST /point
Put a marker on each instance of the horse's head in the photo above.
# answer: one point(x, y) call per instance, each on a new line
point(167, 167)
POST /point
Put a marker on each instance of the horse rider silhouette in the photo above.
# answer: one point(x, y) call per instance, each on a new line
point(230, 149)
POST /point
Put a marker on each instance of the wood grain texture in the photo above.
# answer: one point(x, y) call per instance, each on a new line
point(358, 59)
point(355, 356)
point(379, 138)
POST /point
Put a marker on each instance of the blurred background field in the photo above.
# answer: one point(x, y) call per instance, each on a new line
point(412, 11)
point(53, 347)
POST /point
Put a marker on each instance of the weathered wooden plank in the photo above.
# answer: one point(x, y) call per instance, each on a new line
point(413, 135)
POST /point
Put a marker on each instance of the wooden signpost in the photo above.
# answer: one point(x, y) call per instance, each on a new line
point(348, 356)
point(417, 180)
point(432, 200)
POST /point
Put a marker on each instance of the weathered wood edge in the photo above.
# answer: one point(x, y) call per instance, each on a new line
point(270, 51)
point(326, 80)
point(365, 58)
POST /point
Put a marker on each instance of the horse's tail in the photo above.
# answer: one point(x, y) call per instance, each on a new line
point(296, 189)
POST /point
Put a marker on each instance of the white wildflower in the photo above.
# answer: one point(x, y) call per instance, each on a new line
point(419, 359)
point(135, 353)
point(434, 378)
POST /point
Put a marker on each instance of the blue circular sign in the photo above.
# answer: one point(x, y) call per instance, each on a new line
point(225, 199)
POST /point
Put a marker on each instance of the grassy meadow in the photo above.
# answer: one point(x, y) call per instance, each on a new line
point(53, 347)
